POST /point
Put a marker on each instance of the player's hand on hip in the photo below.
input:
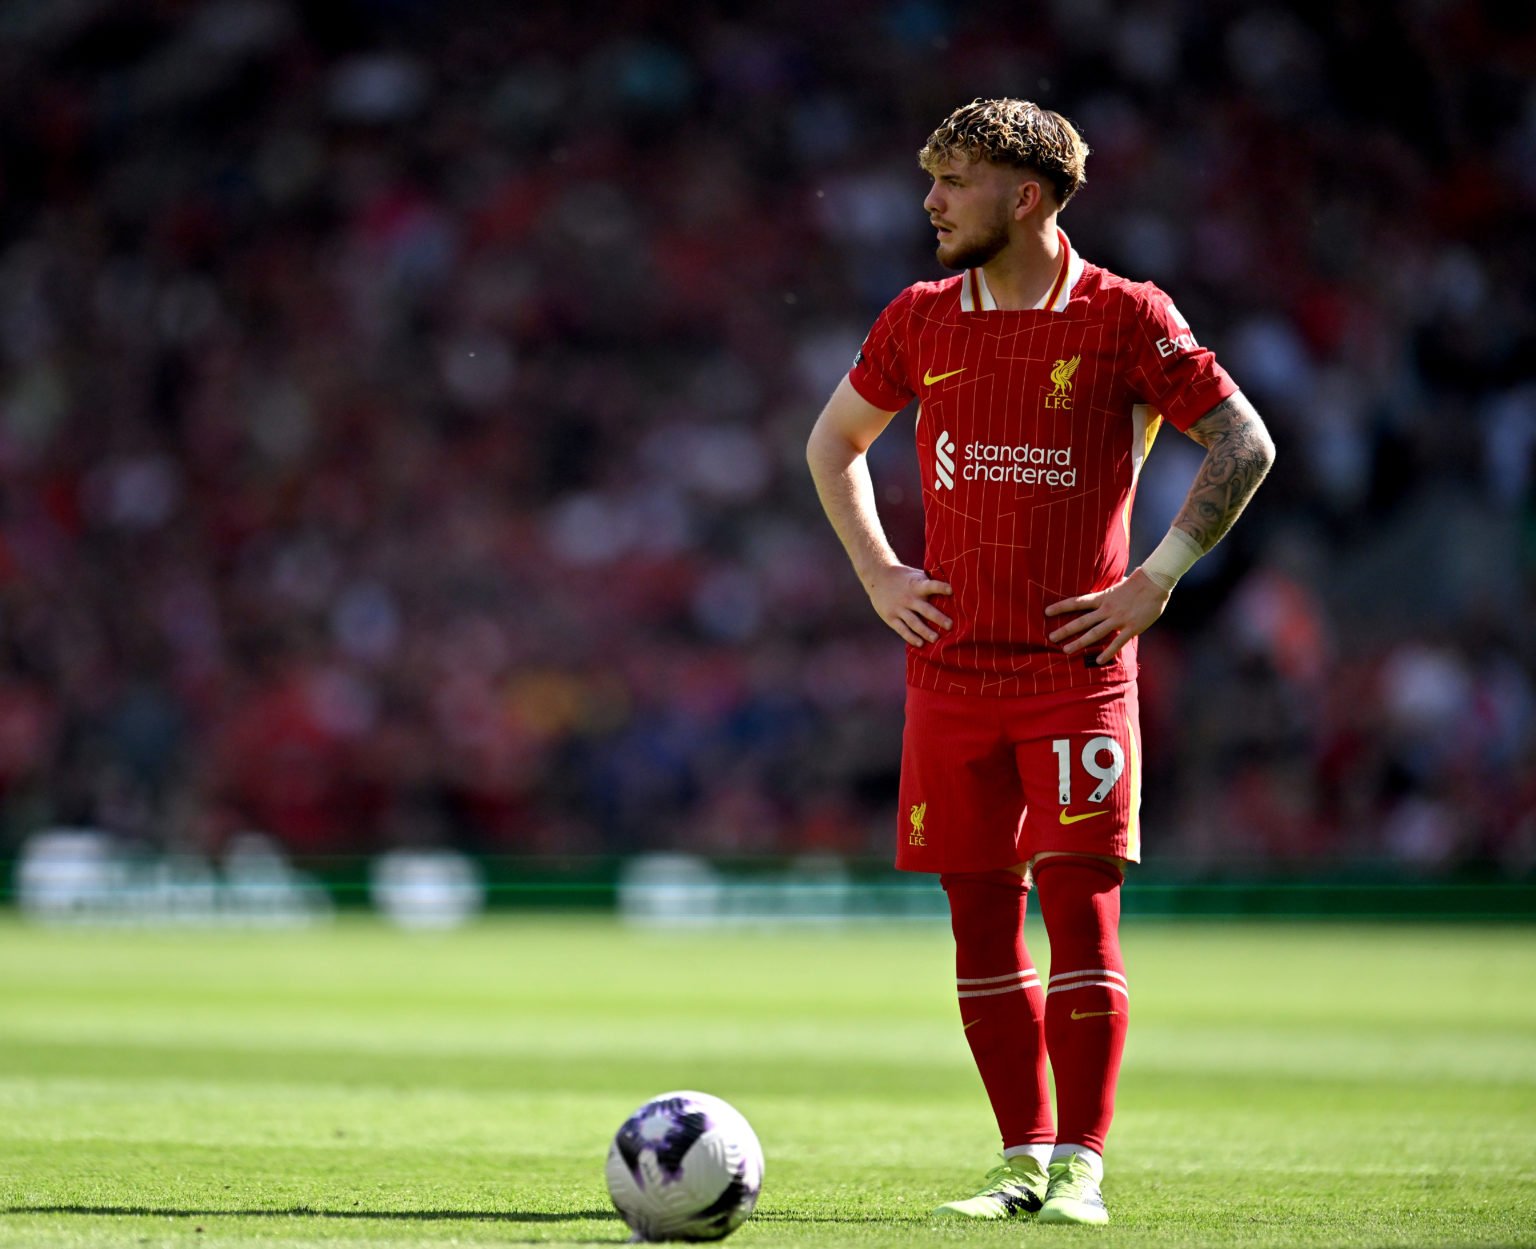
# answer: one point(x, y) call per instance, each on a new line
point(1118, 614)
point(900, 596)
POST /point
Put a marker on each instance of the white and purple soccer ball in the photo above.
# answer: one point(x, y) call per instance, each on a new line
point(685, 1166)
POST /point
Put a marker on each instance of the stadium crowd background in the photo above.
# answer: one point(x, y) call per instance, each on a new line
point(402, 411)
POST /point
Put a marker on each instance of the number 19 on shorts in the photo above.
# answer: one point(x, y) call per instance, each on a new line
point(1093, 762)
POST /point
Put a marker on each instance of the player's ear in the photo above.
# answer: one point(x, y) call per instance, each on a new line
point(1030, 194)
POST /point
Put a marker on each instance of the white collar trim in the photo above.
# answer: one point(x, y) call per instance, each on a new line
point(976, 295)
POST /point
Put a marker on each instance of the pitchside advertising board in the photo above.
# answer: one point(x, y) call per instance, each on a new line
point(83, 876)
point(86, 878)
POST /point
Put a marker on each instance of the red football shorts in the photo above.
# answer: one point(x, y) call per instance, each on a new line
point(991, 782)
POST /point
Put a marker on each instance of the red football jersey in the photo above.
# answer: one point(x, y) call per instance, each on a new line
point(1031, 433)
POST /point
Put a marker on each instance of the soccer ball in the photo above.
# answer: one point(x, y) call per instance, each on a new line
point(685, 1166)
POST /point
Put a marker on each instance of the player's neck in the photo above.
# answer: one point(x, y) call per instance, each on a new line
point(1020, 275)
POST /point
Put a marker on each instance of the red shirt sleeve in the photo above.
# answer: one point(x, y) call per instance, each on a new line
point(1169, 369)
point(879, 371)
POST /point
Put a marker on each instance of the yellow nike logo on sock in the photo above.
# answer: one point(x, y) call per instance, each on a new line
point(1092, 1014)
point(1086, 815)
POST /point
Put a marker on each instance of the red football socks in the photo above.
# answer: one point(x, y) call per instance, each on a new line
point(1001, 1003)
point(1087, 1006)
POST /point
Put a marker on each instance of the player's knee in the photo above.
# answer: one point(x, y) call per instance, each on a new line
point(1011, 880)
point(1095, 864)
point(986, 912)
point(1080, 903)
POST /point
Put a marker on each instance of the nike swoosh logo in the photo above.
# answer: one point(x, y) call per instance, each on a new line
point(930, 378)
point(1086, 815)
point(1093, 1014)
point(970, 1025)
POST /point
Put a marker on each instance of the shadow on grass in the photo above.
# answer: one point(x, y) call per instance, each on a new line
point(307, 1212)
point(427, 1216)
point(791, 1216)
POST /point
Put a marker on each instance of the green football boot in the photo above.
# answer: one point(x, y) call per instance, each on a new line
point(1073, 1194)
point(1012, 1189)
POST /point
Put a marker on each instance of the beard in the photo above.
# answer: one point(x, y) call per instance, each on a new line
point(973, 253)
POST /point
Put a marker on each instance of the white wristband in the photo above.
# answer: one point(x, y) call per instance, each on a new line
point(1175, 555)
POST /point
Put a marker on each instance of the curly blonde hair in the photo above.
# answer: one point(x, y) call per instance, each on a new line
point(1012, 132)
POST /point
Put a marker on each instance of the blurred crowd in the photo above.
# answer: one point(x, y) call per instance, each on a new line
point(403, 404)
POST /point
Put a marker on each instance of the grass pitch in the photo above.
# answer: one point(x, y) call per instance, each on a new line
point(1285, 1084)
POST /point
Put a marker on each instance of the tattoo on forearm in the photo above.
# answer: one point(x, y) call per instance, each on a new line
point(1238, 455)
